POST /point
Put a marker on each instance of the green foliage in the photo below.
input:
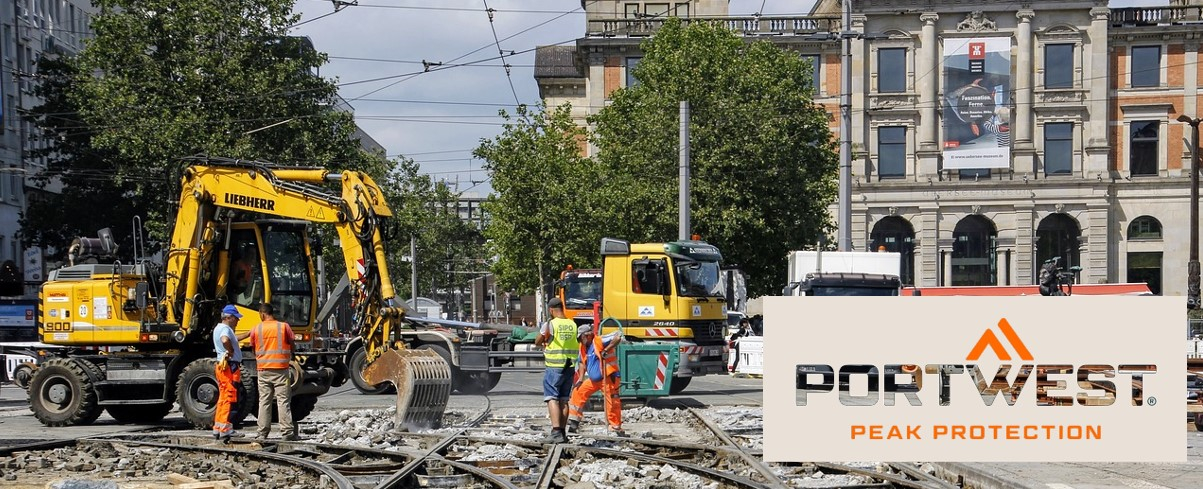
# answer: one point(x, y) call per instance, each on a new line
point(542, 215)
point(163, 79)
point(762, 159)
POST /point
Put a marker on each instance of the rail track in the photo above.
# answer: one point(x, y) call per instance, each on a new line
point(484, 450)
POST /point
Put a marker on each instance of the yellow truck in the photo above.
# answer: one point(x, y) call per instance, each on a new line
point(667, 293)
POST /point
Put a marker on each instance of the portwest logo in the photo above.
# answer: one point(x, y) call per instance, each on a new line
point(1020, 379)
point(1092, 384)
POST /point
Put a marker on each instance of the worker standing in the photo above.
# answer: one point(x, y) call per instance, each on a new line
point(597, 370)
point(273, 343)
point(227, 371)
point(557, 338)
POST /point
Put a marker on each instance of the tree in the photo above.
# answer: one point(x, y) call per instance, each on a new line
point(541, 213)
point(163, 79)
point(762, 158)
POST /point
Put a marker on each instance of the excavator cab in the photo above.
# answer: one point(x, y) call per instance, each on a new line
point(269, 262)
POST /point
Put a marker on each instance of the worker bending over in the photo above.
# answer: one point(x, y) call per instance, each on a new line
point(597, 369)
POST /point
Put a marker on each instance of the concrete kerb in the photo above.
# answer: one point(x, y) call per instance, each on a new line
point(975, 477)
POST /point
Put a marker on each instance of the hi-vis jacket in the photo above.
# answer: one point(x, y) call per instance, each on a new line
point(273, 345)
point(607, 358)
point(563, 344)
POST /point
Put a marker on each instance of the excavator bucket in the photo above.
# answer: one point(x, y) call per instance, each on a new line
point(423, 381)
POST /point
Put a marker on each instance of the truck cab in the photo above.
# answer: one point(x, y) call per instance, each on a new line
point(668, 292)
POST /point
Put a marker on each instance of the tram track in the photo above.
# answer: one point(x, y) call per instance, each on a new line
point(498, 450)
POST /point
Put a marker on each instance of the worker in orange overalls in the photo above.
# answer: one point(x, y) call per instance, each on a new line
point(597, 369)
point(227, 371)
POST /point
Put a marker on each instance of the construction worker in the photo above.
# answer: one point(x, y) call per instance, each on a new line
point(557, 339)
point(227, 371)
point(596, 370)
point(273, 343)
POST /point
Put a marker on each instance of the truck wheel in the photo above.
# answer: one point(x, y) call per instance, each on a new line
point(679, 384)
point(248, 398)
point(478, 382)
point(197, 393)
point(139, 413)
point(302, 406)
point(62, 394)
point(23, 374)
point(358, 362)
point(1198, 421)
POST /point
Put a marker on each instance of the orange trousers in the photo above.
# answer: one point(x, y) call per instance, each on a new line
point(227, 387)
point(580, 396)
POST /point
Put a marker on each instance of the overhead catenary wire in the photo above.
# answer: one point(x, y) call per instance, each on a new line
point(500, 52)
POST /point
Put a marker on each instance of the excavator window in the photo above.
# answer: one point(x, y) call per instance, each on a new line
point(246, 270)
point(289, 276)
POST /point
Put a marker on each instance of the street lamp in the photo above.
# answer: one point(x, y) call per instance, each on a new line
point(1192, 266)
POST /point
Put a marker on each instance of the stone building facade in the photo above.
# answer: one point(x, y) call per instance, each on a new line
point(987, 137)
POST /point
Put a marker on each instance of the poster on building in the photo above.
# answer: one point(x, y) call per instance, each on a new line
point(977, 103)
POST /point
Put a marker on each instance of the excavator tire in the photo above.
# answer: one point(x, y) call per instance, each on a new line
point(302, 405)
point(679, 384)
point(197, 393)
point(62, 394)
point(356, 366)
point(139, 413)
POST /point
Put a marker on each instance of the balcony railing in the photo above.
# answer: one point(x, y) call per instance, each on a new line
point(748, 26)
point(1152, 16)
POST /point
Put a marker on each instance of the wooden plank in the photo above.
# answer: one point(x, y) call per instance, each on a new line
point(177, 479)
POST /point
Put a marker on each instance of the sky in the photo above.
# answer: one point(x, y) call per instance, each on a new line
point(436, 118)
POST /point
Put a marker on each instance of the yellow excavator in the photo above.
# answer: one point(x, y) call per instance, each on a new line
point(134, 339)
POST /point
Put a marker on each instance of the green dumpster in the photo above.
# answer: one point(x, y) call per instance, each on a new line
point(647, 368)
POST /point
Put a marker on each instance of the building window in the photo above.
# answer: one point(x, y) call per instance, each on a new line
point(631, 10)
point(657, 10)
point(1058, 148)
point(1145, 267)
point(632, 62)
point(682, 10)
point(1142, 160)
point(1058, 236)
point(891, 70)
point(1058, 66)
point(815, 69)
point(974, 174)
point(974, 257)
point(891, 152)
point(1146, 66)
point(1144, 227)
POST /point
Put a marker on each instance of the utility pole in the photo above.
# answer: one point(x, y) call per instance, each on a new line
point(1192, 266)
point(844, 214)
point(683, 193)
point(413, 269)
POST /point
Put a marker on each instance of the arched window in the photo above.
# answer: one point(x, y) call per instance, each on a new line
point(973, 256)
point(896, 234)
point(1144, 227)
point(1057, 236)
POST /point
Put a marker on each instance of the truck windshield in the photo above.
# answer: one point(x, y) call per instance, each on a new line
point(698, 278)
point(581, 290)
point(852, 291)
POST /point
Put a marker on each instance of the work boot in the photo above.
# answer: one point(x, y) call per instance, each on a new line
point(618, 433)
point(556, 436)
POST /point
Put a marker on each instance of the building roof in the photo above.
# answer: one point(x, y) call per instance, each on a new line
point(556, 62)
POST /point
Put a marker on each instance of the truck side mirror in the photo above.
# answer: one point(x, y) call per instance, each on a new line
point(662, 284)
point(789, 288)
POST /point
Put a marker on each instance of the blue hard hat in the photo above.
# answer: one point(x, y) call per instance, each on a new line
point(230, 310)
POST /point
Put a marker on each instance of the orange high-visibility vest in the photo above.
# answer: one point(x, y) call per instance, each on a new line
point(273, 345)
point(608, 359)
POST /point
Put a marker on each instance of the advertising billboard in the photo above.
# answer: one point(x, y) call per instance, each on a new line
point(977, 103)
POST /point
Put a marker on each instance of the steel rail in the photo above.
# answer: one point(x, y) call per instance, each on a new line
point(752, 461)
point(922, 476)
point(897, 480)
point(338, 479)
point(713, 474)
point(549, 467)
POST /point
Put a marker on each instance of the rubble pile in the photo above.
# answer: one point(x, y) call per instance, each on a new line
point(107, 461)
point(743, 424)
